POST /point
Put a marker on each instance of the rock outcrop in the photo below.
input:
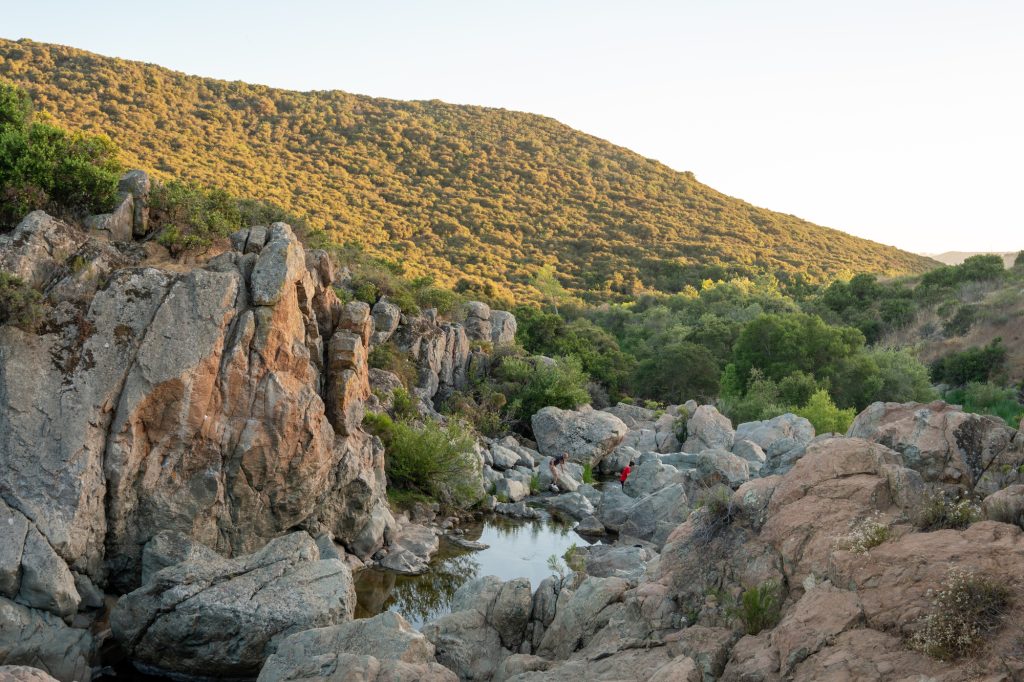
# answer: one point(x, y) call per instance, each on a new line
point(185, 401)
point(708, 429)
point(963, 452)
point(223, 617)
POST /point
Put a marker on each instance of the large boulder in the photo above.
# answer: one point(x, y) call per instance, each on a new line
point(958, 450)
point(581, 616)
point(38, 247)
point(782, 439)
point(223, 617)
point(488, 621)
point(478, 321)
point(381, 648)
point(708, 429)
point(386, 316)
point(586, 435)
point(503, 328)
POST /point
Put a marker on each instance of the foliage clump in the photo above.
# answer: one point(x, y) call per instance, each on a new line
point(865, 536)
point(824, 415)
point(961, 615)
point(430, 459)
point(759, 607)
point(939, 512)
point(43, 166)
point(20, 304)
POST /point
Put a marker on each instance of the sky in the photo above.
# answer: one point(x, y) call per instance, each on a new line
point(897, 121)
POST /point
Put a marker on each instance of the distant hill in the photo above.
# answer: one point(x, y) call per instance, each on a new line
point(481, 198)
point(958, 257)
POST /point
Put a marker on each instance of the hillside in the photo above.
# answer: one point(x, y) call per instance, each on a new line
point(485, 196)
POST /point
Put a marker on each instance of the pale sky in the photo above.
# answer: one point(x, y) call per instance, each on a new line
point(893, 120)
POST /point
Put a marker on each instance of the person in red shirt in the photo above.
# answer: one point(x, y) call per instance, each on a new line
point(625, 474)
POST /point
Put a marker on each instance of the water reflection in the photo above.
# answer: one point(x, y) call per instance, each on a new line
point(517, 549)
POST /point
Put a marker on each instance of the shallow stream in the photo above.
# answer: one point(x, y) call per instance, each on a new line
point(516, 549)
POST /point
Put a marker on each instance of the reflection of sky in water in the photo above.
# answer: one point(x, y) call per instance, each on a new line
point(517, 549)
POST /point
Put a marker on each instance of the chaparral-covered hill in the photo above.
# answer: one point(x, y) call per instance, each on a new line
point(487, 196)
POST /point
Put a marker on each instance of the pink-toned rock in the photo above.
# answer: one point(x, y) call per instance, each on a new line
point(822, 614)
point(837, 482)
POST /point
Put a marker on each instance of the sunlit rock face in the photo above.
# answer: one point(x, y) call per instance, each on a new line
point(217, 401)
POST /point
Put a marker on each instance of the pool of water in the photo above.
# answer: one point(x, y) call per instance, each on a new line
point(517, 549)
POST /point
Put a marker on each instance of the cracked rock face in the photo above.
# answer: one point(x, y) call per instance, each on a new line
point(189, 401)
point(222, 617)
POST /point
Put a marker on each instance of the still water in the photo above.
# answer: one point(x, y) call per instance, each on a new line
point(517, 549)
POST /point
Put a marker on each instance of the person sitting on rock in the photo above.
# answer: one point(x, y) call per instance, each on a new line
point(559, 462)
point(625, 474)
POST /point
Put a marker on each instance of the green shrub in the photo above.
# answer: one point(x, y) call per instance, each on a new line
point(939, 512)
point(388, 357)
point(531, 385)
point(988, 398)
point(43, 166)
point(588, 473)
point(759, 607)
point(20, 305)
point(190, 217)
point(761, 400)
point(403, 405)
point(973, 364)
point(430, 459)
point(962, 616)
point(824, 415)
point(484, 409)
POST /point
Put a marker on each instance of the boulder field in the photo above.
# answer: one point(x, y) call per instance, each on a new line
point(184, 477)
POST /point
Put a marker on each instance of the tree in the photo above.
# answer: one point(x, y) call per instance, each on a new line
point(546, 282)
point(678, 372)
point(779, 345)
point(824, 415)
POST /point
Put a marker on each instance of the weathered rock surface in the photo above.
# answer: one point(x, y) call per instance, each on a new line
point(386, 316)
point(38, 247)
point(44, 641)
point(23, 673)
point(782, 439)
point(178, 401)
point(380, 649)
point(708, 429)
point(503, 328)
point(214, 616)
point(587, 435)
point(961, 451)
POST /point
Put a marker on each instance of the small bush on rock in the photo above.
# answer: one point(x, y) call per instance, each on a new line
point(20, 305)
point(939, 512)
point(864, 536)
point(824, 415)
point(714, 513)
point(962, 614)
point(1005, 513)
point(759, 607)
point(387, 357)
